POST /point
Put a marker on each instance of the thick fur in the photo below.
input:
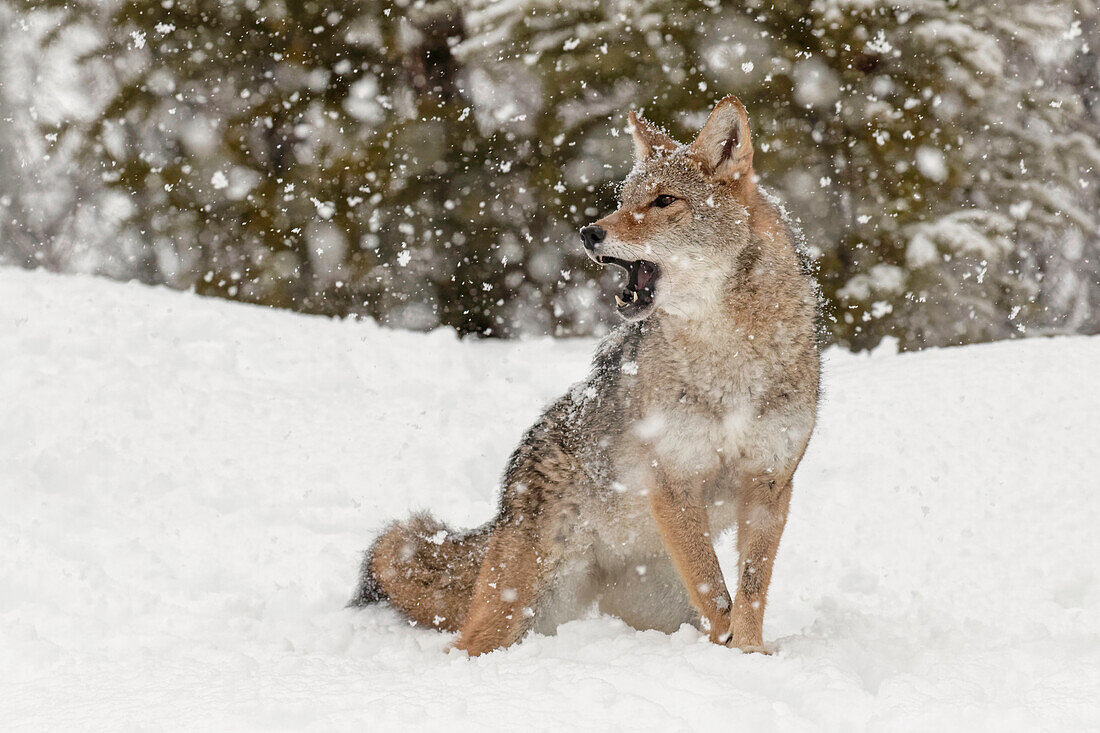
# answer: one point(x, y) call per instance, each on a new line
point(693, 419)
point(424, 570)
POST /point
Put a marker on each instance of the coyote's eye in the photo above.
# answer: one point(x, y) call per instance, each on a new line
point(662, 201)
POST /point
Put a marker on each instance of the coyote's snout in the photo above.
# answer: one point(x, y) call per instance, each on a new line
point(694, 417)
point(641, 275)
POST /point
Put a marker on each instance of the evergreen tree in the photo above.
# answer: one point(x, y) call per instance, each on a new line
point(430, 162)
point(937, 155)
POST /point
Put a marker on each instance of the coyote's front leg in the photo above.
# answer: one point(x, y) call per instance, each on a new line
point(682, 521)
point(761, 517)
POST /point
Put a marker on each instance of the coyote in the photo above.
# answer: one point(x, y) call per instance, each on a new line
point(694, 417)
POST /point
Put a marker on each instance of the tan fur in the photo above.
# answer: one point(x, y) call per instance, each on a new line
point(685, 529)
point(426, 571)
point(647, 138)
point(762, 515)
point(693, 420)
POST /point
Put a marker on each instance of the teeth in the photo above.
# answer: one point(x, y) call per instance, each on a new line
point(631, 297)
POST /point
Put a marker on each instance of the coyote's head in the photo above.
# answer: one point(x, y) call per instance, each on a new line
point(683, 218)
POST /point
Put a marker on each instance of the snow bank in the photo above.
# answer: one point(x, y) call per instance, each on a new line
point(186, 486)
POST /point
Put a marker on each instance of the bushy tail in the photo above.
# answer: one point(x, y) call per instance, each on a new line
point(423, 569)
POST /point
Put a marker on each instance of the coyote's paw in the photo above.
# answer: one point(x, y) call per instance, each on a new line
point(747, 643)
point(717, 629)
point(470, 650)
point(474, 645)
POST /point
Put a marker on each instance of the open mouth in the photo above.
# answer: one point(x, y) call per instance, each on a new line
point(641, 279)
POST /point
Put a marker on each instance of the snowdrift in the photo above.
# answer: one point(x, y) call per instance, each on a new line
point(187, 485)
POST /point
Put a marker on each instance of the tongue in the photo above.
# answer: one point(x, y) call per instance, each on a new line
point(644, 275)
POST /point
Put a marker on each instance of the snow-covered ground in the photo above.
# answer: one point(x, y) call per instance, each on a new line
point(186, 486)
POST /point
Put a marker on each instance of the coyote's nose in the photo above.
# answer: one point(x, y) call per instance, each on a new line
point(592, 235)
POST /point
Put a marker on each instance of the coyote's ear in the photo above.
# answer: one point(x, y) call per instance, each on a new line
point(648, 138)
point(723, 147)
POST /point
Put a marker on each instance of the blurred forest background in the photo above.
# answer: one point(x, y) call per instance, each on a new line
point(429, 163)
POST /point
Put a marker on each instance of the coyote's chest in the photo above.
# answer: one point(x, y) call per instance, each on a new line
point(693, 441)
point(710, 416)
point(701, 449)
